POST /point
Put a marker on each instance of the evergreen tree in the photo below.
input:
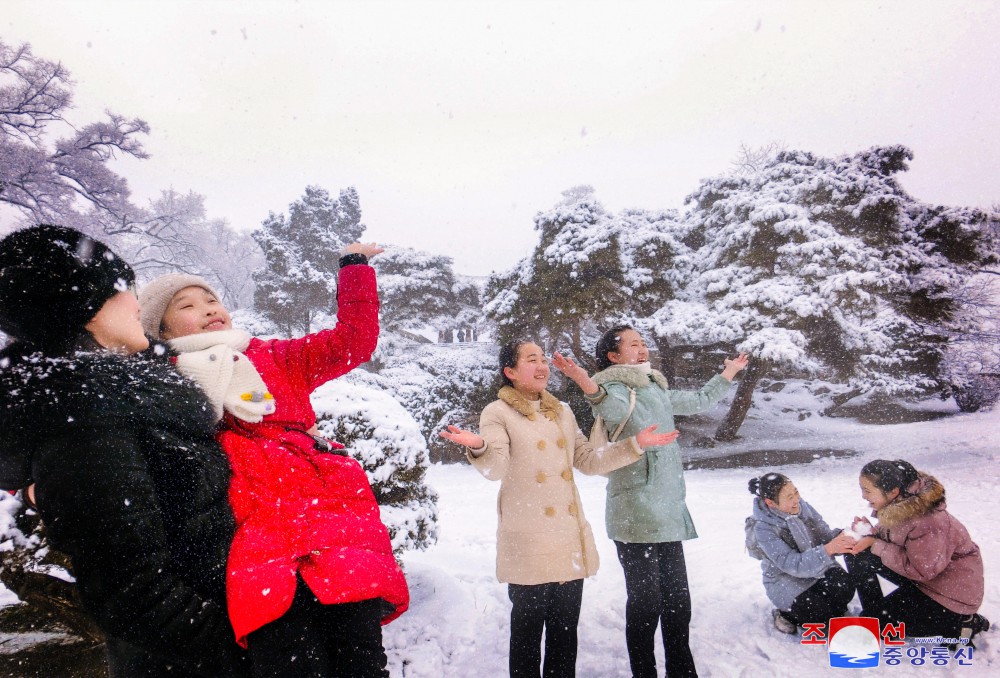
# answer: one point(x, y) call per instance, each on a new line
point(302, 254)
point(572, 281)
point(415, 288)
point(655, 263)
point(827, 263)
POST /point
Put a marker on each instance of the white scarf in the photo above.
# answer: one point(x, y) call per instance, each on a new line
point(215, 361)
point(644, 368)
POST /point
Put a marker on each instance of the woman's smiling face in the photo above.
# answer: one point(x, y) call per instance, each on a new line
point(875, 497)
point(194, 310)
point(530, 375)
point(631, 349)
point(788, 500)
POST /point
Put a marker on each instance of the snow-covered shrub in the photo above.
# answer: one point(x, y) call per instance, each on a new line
point(441, 384)
point(387, 442)
point(980, 392)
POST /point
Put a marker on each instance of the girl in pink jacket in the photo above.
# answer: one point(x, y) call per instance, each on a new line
point(919, 547)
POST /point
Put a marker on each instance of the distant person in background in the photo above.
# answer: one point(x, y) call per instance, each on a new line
point(921, 548)
point(128, 478)
point(531, 443)
point(311, 573)
point(646, 515)
point(797, 547)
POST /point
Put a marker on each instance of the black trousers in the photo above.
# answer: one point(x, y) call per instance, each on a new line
point(128, 661)
point(554, 607)
point(315, 640)
point(824, 600)
point(922, 615)
point(657, 588)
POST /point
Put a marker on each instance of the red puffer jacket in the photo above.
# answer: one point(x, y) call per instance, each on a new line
point(299, 510)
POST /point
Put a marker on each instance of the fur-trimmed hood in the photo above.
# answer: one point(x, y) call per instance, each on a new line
point(926, 494)
point(630, 376)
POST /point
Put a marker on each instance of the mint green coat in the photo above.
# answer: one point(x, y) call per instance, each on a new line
point(646, 498)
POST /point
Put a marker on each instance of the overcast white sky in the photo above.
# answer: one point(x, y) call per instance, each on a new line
point(458, 121)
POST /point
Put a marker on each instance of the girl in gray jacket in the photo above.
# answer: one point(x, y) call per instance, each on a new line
point(800, 575)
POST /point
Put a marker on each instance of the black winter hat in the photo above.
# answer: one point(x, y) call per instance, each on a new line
point(53, 281)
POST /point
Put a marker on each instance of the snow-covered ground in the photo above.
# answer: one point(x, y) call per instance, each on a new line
point(458, 623)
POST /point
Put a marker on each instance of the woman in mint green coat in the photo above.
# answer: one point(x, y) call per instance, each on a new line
point(646, 515)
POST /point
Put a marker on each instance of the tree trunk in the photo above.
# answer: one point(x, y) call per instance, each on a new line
point(666, 352)
point(741, 403)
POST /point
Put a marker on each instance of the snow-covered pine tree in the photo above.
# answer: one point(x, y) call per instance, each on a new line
point(656, 263)
point(301, 255)
point(972, 360)
point(572, 280)
point(826, 262)
point(419, 290)
point(440, 384)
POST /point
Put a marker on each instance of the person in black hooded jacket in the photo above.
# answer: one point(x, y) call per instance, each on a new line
point(128, 478)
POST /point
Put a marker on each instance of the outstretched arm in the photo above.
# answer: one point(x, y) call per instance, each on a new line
point(576, 373)
point(462, 437)
point(366, 249)
point(318, 358)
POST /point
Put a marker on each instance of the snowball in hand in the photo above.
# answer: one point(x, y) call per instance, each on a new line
point(859, 529)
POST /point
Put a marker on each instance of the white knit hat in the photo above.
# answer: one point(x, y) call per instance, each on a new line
point(155, 296)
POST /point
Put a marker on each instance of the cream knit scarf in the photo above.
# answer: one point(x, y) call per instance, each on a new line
point(215, 361)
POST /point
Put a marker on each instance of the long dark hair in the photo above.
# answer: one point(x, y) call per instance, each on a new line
point(890, 475)
point(609, 343)
point(508, 357)
point(768, 486)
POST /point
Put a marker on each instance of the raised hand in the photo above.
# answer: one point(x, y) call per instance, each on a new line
point(463, 437)
point(734, 365)
point(648, 437)
point(574, 372)
point(369, 249)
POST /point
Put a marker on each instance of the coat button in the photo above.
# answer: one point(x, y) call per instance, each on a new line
point(550, 511)
point(561, 443)
point(573, 510)
point(212, 357)
point(541, 444)
point(567, 474)
point(540, 477)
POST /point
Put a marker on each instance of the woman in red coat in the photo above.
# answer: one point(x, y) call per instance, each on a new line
point(311, 573)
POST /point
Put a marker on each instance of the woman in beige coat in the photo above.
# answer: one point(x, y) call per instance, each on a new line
point(530, 442)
